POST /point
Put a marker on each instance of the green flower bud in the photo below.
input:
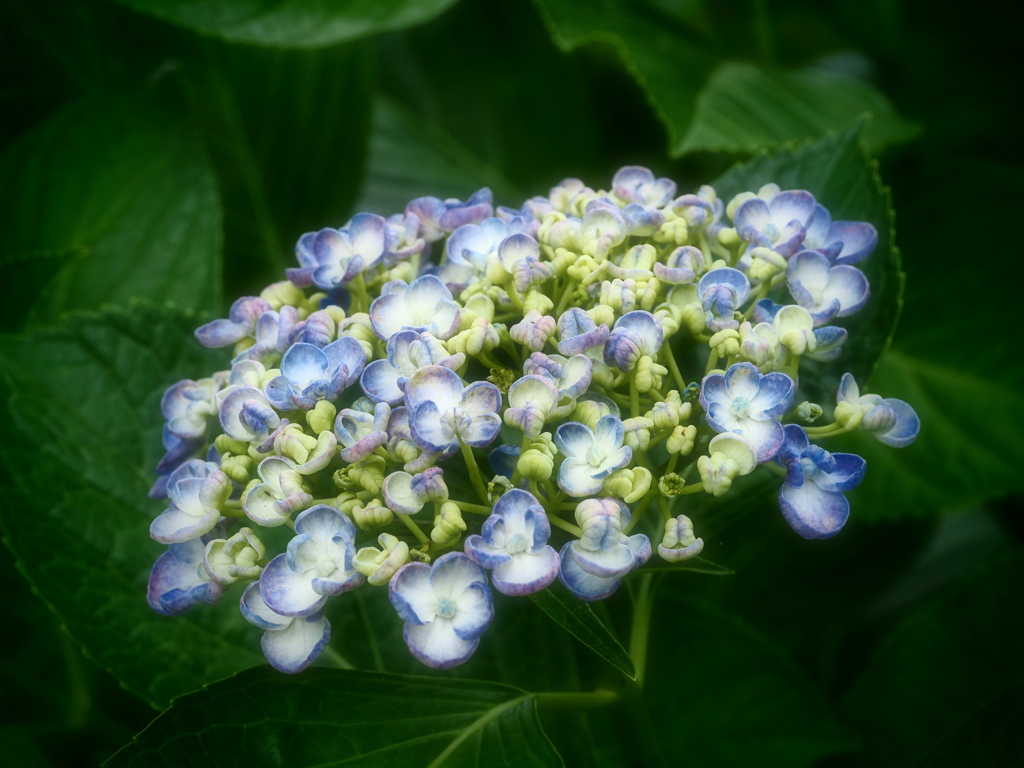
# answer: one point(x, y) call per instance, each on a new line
point(602, 314)
point(725, 343)
point(671, 485)
point(537, 300)
point(674, 231)
point(808, 412)
point(368, 473)
point(618, 484)
point(536, 464)
point(281, 294)
point(681, 440)
point(502, 378)
point(589, 412)
point(240, 557)
point(418, 556)
point(648, 374)
point(225, 444)
point(238, 468)
point(379, 565)
point(679, 543)
point(729, 237)
point(730, 457)
point(848, 414)
point(373, 515)
point(321, 418)
point(448, 525)
point(497, 488)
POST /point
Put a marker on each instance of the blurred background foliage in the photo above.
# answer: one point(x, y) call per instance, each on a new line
point(173, 151)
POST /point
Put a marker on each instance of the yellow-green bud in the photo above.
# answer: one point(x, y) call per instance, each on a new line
point(225, 444)
point(346, 502)
point(730, 457)
point(681, 440)
point(602, 314)
point(671, 485)
point(544, 443)
point(669, 320)
point(648, 374)
point(498, 487)
point(808, 412)
point(675, 231)
point(238, 468)
point(279, 294)
point(379, 565)
point(448, 525)
point(537, 300)
point(321, 418)
point(368, 473)
point(589, 412)
point(403, 270)
point(536, 464)
point(502, 378)
point(241, 556)
point(729, 237)
point(618, 484)
point(419, 556)
point(294, 444)
point(849, 415)
point(373, 515)
point(647, 293)
point(725, 342)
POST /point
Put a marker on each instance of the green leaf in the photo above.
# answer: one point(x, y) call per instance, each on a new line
point(720, 692)
point(578, 619)
point(935, 689)
point(744, 107)
point(843, 179)
point(292, 23)
point(410, 158)
point(969, 448)
point(664, 57)
point(126, 179)
point(287, 132)
point(32, 273)
point(81, 408)
point(329, 717)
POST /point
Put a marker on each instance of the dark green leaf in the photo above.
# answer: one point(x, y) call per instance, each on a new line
point(842, 178)
point(652, 42)
point(332, 718)
point(720, 693)
point(32, 273)
point(935, 689)
point(287, 132)
point(744, 107)
point(293, 23)
point(81, 407)
point(410, 158)
point(126, 179)
point(969, 449)
point(579, 619)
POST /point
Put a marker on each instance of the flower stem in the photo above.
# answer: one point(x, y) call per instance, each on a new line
point(566, 526)
point(474, 472)
point(421, 537)
point(641, 627)
point(670, 363)
point(475, 509)
point(634, 395)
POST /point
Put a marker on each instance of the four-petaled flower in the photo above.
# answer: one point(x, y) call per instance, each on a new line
point(530, 403)
point(424, 306)
point(290, 643)
point(310, 374)
point(824, 290)
point(514, 544)
point(241, 323)
point(197, 491)
point(811, 497)
point(721, 292)
point(339, 255)
point(743, 401)
point(442, 411)
point(591, 455)
point(317, 564)
point(407, 352)
point(178, 580)
point(593, 565)
point(780, 223)
point(362, 433)
point(445, 607)
point(636, 334)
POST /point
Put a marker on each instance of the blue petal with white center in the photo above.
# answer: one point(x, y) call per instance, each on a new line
point(426, 305)
point(591, 455)
point(290, 644)
point(178, 581)
point(748, 403)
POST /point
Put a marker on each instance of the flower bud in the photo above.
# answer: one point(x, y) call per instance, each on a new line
point(321, 417)
point(238, 468)
point(448, 525)
point(848, 414)
point(536, 464)
point(725, 343)
point(373, 515)
point(225, 444)
point(670, 485)
point(679, 543)
point(681, 440)
point(602, 314)
point(240, 557)
point(379, 565)
point(538, 301)
point(282, 293)
point(808, 412)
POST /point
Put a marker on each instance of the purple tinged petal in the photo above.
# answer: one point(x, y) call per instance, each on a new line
point(574, 439)
point(527, 572)
point(503, 459)
point(436, 644)
point(813, 512)
point(412, 594)
point(257, 612)
point(906, 428)
point(288, 592)
point(859, 239)
point(846, 474)
point(849, 286)
point(292, 649)
point(583, 585)
point(774, 395)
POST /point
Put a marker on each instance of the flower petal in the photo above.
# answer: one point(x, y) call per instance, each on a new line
point(298, 645)
point(583, 585)
point(437, 645)
point(812, 512)
point(527, 572)
point(287, 592)
point(412, 594)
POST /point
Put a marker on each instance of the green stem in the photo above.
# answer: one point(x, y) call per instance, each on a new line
point(337, 659)
point(566, 526)
point(641, 627)
point(712, 362)
point(474, 509)
point(474, 472)
point(421, 537)
point(694, 488)
point(670, 363)
point(523, 448)
point(634, 395)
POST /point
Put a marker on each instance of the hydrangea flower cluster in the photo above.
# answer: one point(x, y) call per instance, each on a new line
point(463, 399)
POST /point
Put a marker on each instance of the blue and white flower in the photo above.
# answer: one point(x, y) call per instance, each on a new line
point(178, 580)
point(310, 374)
point(280, 494)
point(636, 334)
point(533, 331)
point(780, 224)
point(407, 352)
point(531, 401)
point(843, 242)
point(722, 291)
point(197, 491)
point(342, 254)
point(187, 407)
point(593, 565)
point(424, 306)
point(272, 335)
point(406, 494)
point(571, 376)
point(682, 266)
point(362, 433)
point(591, 455)
point(290, 643)
point(317, 564)
point(518, 257)
point(446, 608)
point(636, 184)
point(892, 422)
point(513, 543)
point(246, 415)
point(468, 249)
point(579, 333)
point(812, 498)
point(743, 401)
point(437, 217)
point(240, 324)
point(442, 411)
point(824, 290)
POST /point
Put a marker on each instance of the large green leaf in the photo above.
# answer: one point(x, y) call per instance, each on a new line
point(126, 179)
point(292, 23)
point(81, 409)
point(744, 107)
point(410, 158)
point(944, 688)
point(969, 449)
point(332, 718)
point(667, 60)
point(287, 132)
point(722, 694)
point(842, 178)
point(578, 619)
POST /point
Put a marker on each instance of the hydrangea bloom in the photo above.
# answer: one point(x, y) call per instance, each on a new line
point(514, 544)
point(578, 323)
point(445, 607)
point(812, 498)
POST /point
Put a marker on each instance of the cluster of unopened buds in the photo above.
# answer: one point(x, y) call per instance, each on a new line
point(461, 398)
